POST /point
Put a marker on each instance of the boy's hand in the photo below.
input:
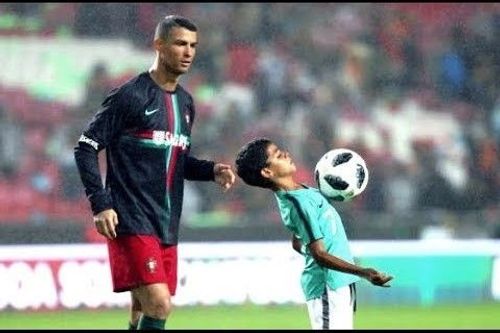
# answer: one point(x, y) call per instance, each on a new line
point(377, 278)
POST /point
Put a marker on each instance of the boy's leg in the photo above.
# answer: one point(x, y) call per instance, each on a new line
point(333, 310)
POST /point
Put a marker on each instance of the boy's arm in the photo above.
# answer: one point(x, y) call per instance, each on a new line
point(297, 245)
point(323, 258)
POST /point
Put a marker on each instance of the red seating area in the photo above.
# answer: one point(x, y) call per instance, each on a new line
point(20, 203)
point(20, 200)
point(22, 106)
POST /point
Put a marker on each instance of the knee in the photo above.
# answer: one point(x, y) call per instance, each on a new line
point(165, 306)
point(159, 307)
point(155, 300)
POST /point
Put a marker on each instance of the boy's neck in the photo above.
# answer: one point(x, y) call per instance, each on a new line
point(288, 186)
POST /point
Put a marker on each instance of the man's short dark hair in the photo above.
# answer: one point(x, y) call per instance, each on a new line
point(251, 159)
point(168, 22)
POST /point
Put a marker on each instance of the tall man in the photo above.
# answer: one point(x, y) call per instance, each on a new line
point(145, 126)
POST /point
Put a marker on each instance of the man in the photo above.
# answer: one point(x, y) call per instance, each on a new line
point(329, 276)
point(145, 126)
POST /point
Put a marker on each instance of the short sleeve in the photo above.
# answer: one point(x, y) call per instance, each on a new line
point(305, 215)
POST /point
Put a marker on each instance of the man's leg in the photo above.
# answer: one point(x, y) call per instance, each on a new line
point(156, 305)
point(135, 312)
point(141, 260)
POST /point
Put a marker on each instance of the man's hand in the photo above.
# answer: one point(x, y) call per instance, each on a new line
point(376, 278)
point(224, 175)
point(106, 222)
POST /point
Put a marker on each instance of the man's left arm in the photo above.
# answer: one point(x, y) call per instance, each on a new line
point(221, 173)
point(197, 169)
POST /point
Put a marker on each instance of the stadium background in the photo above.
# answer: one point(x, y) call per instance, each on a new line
point(413, 87)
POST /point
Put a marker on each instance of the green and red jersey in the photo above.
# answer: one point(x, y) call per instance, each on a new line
point(146, 132)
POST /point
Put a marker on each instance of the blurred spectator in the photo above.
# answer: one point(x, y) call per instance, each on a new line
point(452, 73)
point(376, 198)
point(60, 148)
point(270, 77)
point(397, 40)
point(400, 191)
point(483, 190)
point(92, 21)
point(11, 143)
point(433, 190)
point(97, 87)
point(495, 121)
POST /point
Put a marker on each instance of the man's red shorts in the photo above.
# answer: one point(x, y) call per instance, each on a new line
point(137, 260)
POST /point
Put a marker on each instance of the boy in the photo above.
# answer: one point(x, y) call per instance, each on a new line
point(329, 277)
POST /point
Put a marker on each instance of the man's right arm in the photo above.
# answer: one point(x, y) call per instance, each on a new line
point(104, 127)
point(86, 158)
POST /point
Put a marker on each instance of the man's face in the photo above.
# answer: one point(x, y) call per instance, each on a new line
point(279, 162)
point(178, 51)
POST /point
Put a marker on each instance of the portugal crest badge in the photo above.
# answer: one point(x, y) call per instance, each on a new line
point(151, 265)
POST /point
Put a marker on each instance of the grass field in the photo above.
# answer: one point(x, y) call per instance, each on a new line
point(482, 316)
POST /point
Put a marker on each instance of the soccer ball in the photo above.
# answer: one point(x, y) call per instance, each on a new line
point(341, 174)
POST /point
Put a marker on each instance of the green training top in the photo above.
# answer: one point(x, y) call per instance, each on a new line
point(309, 215)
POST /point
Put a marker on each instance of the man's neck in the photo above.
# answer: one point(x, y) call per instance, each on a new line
point(165, 81)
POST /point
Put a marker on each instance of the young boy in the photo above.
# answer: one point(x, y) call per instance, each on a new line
point(329, 276)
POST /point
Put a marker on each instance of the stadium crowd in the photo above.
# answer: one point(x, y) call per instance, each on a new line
point(413, 87)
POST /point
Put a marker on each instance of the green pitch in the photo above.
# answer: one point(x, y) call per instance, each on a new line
point(483, 316)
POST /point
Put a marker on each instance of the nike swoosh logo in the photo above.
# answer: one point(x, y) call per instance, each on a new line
point(148, 113)
point(320, 205)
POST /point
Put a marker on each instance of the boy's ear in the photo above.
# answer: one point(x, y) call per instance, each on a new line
point(266, 173)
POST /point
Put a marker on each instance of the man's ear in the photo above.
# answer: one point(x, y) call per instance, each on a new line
point(157, 43)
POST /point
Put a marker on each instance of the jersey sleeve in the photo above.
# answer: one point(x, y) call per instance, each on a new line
point(306, 217)
point(197, 169)
point(103, 128)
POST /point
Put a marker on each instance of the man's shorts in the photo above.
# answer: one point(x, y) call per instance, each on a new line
point(137, 260)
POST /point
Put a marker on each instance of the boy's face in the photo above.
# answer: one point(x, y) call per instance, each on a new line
point(279, 163)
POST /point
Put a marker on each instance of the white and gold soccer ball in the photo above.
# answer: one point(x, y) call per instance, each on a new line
point(341, 174)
